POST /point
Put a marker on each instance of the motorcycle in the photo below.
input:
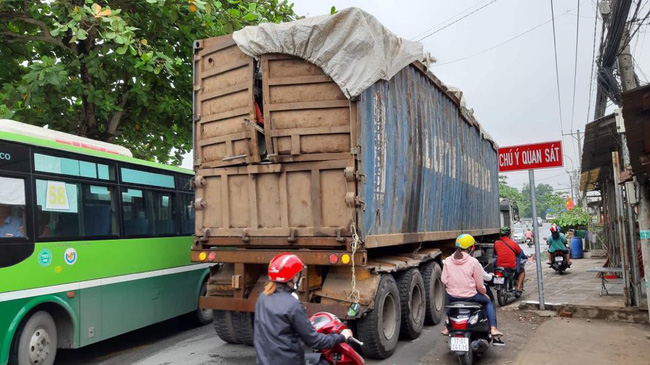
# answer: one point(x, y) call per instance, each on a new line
point(505, 283)
point(529, 242)
point(558, 263)
point(469, 331)
point(341, 354)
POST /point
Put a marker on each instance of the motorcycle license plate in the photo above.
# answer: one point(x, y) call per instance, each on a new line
point(559, 259)
point(459, 344)
point(499, 280)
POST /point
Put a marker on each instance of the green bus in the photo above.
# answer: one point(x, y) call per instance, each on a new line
point(93, 243)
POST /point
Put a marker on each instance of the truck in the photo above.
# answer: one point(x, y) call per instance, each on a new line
point(330, 138)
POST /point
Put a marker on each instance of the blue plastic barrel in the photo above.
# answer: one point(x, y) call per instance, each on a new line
point(576, 248)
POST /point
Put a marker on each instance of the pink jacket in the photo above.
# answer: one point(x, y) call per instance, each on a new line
point(464, 277)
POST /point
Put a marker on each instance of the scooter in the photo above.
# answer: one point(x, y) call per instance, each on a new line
point(529, 242)
point(505, 283)
point(341, 354)
point(469, 330)
point(558, 263)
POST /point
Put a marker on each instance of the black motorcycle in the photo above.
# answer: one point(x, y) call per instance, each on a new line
point(469, 330)
point(505, 283)
point(558, 263)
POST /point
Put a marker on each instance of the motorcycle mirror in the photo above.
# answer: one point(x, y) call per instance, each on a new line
point(545, 239)
point(353, 310)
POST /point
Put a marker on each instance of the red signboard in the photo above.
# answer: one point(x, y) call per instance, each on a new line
point(531, 156)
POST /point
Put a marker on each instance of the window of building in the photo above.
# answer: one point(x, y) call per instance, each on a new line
point(148, 213)
point(75, 210)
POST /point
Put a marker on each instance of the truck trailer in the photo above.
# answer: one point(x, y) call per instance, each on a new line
point(329, 137)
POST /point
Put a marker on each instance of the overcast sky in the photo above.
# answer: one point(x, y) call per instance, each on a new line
point(512, 88)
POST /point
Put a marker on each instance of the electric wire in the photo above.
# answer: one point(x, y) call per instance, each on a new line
point(456, 21)
point(575, 73)
point(557, 69)
point(441, 23)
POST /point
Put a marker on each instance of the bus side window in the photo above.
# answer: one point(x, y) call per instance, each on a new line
point(148, 213)
point(187, 214)
point(15, 245)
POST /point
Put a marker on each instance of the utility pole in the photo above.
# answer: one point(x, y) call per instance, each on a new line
point(628, 82)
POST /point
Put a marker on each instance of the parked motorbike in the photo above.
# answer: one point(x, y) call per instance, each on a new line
point(341, 354)
point(469, 331)
point(505, 283)
point(558, 263)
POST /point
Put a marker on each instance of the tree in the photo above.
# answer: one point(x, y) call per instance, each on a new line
point(118, 70)
point(546, 200)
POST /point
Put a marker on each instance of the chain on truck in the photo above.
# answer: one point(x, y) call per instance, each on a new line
point(366, 170)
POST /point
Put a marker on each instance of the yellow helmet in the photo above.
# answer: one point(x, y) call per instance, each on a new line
point(465, 241)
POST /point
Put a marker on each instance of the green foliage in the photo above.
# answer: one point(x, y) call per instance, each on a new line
point(508, 192)
point(115, 70)
point(575, 218)
point(547, 199)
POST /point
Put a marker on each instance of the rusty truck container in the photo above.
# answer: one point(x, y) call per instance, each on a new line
point(377, 185)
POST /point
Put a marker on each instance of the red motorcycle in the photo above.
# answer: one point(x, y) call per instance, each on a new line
point(341, 354)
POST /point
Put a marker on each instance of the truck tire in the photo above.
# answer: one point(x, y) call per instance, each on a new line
point(36, 341)
point(413, 303)
point(223, 325)
point(243, 323)
point(434, 292)
point(203, 316)
point(379, 329)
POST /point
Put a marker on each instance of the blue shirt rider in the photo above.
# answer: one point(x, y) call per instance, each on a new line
point(11, 222)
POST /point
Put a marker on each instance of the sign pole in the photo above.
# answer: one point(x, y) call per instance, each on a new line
point(538, 255)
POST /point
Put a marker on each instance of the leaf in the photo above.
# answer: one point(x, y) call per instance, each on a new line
point(81, 34)
point(250, 17)
point(96, 8)
point(234, 13)
point(333, 10)
point(121, 50)
point(143, 42)
point(146, 56)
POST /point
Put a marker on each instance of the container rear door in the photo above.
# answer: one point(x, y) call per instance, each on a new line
point(224, 104)
point(307, 117)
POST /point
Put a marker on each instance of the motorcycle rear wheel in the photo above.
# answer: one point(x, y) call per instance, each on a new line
point(467, 358)
point(502, 297)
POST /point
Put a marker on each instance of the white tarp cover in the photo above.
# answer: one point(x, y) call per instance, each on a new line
point(351, 46)
point(12, 191)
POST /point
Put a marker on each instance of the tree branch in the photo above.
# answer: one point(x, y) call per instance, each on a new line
point(46, 36)
point(111, 131)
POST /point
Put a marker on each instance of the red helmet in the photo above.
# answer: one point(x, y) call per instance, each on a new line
point(555, 228)
point(284, 267)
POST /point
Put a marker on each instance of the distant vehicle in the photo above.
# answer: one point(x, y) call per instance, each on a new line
point(96, 246)
point(518, 235)
point(550, 217)
point(539, 221)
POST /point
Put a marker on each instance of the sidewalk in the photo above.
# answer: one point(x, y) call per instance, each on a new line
point(578, 292)
point(583, 341)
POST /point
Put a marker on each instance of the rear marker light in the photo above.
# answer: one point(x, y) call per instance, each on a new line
point(202, 256)
point(345, 258)
point(211, 256)
point(334, 258)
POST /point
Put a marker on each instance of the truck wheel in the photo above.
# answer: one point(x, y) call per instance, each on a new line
point(412, 302)
point(379, 330)
point(223, 325)
point(243, 323)
point(203, 316)
point(434, 291)
point(36, 342)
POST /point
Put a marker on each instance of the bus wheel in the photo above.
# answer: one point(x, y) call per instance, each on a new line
point(379, 329)
point(434, 292)
point(412, 302)
point(203, 315)
point(36, 342)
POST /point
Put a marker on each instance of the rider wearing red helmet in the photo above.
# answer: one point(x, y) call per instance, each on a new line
point(281, 322)
point(557, 241)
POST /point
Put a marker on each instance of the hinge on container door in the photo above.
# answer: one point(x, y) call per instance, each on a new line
point(198, 181)
point(354, 201)
point(356, 152)
point(245, 237)
point(351, 175)
point(206, 235)
point(199, 204)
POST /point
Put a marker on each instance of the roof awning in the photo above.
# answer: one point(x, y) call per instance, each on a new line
point(601, 139)
point(636, 113)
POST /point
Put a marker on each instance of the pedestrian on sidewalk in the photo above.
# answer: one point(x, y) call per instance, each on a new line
point(462, 274)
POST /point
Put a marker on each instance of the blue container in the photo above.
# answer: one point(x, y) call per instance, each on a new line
point(576, 248)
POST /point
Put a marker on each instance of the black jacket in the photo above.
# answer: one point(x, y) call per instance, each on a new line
point(280, 323)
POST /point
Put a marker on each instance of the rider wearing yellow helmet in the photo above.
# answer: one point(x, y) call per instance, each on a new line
point(462, 274)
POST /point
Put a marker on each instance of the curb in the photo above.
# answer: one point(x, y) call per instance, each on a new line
point(617, 314)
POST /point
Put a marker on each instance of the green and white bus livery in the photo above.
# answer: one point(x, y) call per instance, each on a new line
point(93, 243)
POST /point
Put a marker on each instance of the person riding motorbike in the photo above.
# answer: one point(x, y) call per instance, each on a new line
point(509, 255)
point(557, 241)
point(462, 275)
point(281, 321)
point(529, 235)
